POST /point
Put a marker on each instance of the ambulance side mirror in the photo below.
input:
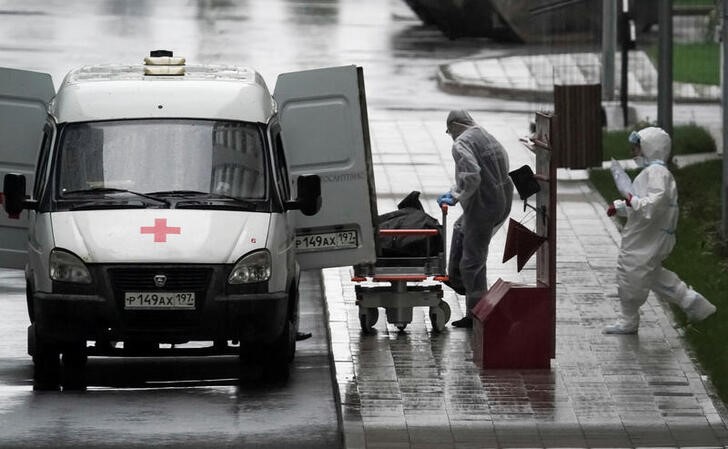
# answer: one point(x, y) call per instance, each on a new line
point(309, 195)
point(14, 200)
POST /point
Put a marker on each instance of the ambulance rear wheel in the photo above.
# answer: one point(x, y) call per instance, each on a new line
point(368, 317)
point(439, 316)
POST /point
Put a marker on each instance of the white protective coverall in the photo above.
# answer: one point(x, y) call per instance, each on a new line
point(485, 192)
point(648, 238)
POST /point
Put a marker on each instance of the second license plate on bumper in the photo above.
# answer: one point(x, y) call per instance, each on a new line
point(327, 240)
point(159, 301)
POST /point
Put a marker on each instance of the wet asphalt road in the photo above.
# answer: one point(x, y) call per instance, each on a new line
point(175, 402)
point(399, 55)
point(202, 402)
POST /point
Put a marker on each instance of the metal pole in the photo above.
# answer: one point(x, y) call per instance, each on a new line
point(624, 34)
point(664, 63)
point(724, 86)
point(609, 44)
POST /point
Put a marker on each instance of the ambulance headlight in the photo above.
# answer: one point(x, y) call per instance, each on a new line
point(67, 267)
point(254, 267)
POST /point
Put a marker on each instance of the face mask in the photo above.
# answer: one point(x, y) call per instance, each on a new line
point(634, 138)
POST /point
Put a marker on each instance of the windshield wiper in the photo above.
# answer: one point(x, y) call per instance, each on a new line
point(93, 205)
point(208, 200)
point(105, 190)
point(207, 205)
point(197, 193)
point(179, 192)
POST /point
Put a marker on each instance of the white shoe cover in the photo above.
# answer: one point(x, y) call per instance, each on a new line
point(699, 309)
point(621, 327)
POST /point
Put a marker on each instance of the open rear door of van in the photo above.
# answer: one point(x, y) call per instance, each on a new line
point(325, 131)
point(24, 98)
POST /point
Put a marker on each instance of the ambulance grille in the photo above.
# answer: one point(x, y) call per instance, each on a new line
point(182, 279)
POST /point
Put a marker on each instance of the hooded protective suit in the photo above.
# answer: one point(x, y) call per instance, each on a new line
point(485, 192)
point(648, 238)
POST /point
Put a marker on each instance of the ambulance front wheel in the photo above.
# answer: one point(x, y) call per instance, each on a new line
point(46, 361)
point(278, 355)
point(271, 360)
point(439, 316)
point(368, 317)
point(73, 368)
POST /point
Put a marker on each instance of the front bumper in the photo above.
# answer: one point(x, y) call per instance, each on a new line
point(248, 313)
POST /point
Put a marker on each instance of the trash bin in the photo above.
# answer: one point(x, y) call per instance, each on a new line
point(513, 327)
point(579, 120)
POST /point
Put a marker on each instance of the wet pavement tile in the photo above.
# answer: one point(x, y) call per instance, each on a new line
point(421, 389)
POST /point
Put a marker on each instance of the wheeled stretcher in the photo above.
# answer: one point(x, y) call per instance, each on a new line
point(413, 281)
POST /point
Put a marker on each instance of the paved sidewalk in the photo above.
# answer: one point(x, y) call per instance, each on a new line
point(418, 389)
point(530, 78)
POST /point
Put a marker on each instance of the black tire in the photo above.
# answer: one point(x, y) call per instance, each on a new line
point(368, 318)
point(73, 372)
point(270, 360)
point(46, 362)
point(280, 354)
point(29, 301)
point(439, 316)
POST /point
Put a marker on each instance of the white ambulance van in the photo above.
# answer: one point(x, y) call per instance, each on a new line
point(158, 204)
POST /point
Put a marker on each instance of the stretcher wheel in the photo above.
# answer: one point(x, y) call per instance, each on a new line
point(439, 316)
point(368, 318)
point(401, 326)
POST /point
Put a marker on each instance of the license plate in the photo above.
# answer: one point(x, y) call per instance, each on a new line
point(327, 240)
point(159, 300)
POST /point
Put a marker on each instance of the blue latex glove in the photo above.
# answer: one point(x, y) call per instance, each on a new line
point(446, 198)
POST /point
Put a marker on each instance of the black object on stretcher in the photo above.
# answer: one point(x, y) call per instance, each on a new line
point(411, 260)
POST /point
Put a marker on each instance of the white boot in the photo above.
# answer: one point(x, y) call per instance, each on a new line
point(623, 326)
point(699, 309)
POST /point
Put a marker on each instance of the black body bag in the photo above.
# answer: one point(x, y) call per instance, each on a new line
point(409, 215)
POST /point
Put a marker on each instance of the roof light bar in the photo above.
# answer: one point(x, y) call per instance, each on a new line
point(163, 63)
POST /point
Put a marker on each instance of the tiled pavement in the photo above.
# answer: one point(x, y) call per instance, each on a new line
point(419, 389)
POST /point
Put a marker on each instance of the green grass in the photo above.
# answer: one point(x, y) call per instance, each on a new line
point(696, 63)
point(693, 2)
point(687, 139)
point(699, 258)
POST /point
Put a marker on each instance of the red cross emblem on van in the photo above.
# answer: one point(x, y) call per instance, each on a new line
point(160, 230)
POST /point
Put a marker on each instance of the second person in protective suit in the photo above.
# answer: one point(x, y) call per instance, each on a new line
point(485, 192)
point(649, 236)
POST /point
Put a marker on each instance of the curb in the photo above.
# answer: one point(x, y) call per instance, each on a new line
point(450, 82)
point(447, 82)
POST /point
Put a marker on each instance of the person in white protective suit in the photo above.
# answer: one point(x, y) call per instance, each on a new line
point(485, 192)
point(649, 236)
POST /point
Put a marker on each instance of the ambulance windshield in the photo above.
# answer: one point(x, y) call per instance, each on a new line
point(219, 157)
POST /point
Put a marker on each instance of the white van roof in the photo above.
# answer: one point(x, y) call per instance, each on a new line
point(111, 92)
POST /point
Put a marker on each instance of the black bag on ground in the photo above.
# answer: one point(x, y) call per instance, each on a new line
point(409, 215)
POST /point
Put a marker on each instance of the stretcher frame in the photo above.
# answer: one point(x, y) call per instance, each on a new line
point(405, 276)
